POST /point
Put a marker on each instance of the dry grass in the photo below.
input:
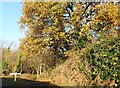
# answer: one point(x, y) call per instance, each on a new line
point(66, 74)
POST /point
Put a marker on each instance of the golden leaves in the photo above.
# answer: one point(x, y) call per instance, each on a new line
point(108, 13)
point(105, 19)
point(38, 16)
point(62, 34)
point(80, 33)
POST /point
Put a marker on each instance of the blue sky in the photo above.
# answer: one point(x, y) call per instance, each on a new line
point(11, 12)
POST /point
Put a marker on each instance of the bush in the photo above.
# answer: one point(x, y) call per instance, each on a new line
point(104, 59)
point(4, 67)
point(81, 42)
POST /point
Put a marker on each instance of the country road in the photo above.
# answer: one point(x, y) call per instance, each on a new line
point(24, 83)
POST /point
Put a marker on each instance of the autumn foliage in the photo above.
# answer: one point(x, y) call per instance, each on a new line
point(54, 30)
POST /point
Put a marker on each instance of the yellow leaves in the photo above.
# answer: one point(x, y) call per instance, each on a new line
point(89, 37)
point(116, 58)
point(104, 29)
point(62, 33)
point(80, 33)
point(105, 19)
point(108, 13)
point(50, 38)
point(78, 6)
point(98, 6)
point(87, 27)
point(78, 18)
point(56, 37)
point(56, 20)
point(51, 42)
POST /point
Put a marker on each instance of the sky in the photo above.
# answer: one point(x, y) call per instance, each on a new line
point(10, 32)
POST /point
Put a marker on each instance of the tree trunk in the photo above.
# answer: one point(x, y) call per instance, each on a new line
point(21, 68)
point(40, 69)
point(37, 70)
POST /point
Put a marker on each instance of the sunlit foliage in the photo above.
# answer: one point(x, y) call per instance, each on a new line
point(56, 27)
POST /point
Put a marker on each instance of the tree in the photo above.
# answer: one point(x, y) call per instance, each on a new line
point(17, 66)
point(57, 27)
point(8, 60)
point(45, 23)
point(105, 22)
point(37, 57)
point(4, 66)
point(46, 30)
point(93, 21)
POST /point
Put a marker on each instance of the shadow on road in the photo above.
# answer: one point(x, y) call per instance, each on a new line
point(24, 82)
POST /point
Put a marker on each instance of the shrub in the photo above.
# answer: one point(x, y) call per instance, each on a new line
point(80, 42)
point(104, 59)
